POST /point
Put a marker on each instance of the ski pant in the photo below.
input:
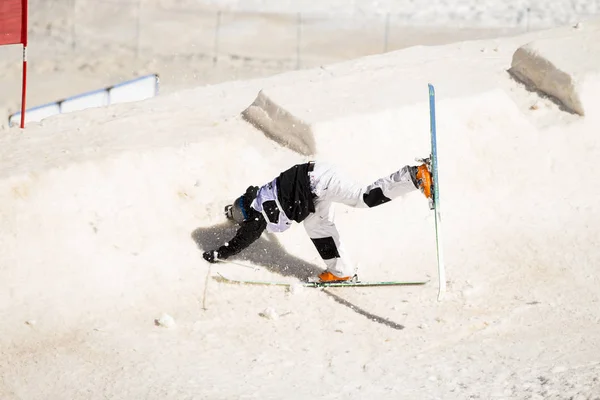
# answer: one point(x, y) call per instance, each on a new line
point(330, 186)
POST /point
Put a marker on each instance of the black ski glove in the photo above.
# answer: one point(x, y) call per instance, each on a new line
point(211, 256)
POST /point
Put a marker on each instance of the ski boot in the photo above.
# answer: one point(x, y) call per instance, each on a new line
point(424, 180)
point(328, 277)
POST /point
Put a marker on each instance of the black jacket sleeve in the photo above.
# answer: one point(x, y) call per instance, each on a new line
point(248, 232)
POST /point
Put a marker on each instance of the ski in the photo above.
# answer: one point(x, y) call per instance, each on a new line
point(319, 284)
point(436, 194)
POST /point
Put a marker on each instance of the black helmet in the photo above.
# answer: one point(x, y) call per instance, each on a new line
point(236, 211)
point(239, 210)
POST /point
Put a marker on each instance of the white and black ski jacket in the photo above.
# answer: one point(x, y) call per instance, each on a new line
point(273, 207)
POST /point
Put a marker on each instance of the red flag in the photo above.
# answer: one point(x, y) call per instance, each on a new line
point(12, 22)
point(13, 30)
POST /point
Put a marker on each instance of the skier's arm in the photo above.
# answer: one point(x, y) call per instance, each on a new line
point(248, 232)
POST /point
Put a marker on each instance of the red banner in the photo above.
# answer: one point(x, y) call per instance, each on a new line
point(13, 29)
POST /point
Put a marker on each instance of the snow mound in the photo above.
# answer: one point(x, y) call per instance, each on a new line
point(302, 123)
point(105, 214)
point(280, 125)
point(564, 68)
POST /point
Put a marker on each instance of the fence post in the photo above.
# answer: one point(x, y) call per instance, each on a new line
point(138, 30)
point(298, 40)
point(216, 46)
point(386, 33)
point(73, 26)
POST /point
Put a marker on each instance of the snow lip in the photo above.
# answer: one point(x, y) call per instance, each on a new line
point(562, 67)
point(280, 125)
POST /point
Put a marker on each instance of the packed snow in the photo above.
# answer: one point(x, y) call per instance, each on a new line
point(563, 67)
point(106, 212)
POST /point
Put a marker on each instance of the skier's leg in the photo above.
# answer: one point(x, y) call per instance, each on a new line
point(329, 184)
point(321, 229)
point(389, 187)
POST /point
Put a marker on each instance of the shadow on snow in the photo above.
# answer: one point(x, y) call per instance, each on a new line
point(268, 252)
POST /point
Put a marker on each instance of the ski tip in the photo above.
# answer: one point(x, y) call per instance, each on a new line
point(431, 89)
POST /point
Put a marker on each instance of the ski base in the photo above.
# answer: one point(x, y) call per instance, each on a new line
point(321, 284)
point(436, 195)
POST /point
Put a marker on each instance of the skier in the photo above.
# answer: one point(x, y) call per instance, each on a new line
point(306, 193)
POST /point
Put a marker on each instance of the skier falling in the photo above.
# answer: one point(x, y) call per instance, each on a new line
point(306, 193)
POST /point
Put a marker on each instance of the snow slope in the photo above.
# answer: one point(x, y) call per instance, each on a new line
point(105, 213)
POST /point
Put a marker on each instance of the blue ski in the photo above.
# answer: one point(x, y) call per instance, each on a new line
point(436, 194)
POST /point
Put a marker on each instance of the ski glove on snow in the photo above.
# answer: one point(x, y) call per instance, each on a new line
point(211, 256)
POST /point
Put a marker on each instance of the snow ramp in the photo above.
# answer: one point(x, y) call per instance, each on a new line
point(565, 68)
point(105, 214)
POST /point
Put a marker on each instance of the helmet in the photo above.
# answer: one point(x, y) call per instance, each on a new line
point(236, 211)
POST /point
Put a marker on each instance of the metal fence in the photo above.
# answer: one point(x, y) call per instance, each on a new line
point(134, 28)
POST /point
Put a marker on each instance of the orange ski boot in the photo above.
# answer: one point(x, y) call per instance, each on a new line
point(425, 183)
point(327, 276)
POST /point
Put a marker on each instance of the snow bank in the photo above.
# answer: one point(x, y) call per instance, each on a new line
point(280, 125)
point(565, 68)
point(89, 196)
point(308, 113)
